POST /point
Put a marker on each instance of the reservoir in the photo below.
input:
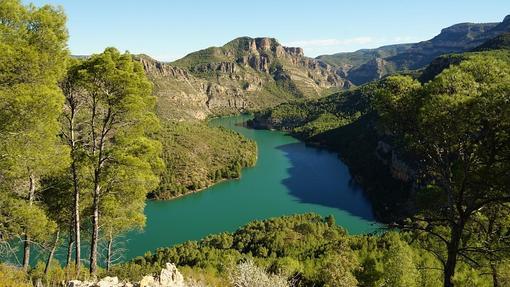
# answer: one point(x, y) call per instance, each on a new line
point(289, 178)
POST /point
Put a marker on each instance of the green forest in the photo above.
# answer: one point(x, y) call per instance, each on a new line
point(457, 127)
point(82, 148)
point(197, 156)
point(310, 250)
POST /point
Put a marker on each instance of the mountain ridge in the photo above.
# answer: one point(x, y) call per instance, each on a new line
point(244, 74)
point(248, 74)
point(366, 65)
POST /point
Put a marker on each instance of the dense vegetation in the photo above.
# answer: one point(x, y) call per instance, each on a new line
point(197, 155)
point(77, 141)
point(454, 129)
point(81, 145)
point(309, 251)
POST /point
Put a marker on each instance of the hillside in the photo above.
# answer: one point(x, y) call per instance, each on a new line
point(307, 250)
point(244, 74)
point(197, 156)
point(366, 65)
point(348, 123)
point(501, 42)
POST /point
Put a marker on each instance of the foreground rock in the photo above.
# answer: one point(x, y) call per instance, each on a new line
point(169, 277)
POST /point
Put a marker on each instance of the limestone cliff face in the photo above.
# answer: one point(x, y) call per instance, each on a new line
point(245, 74)
point(179, 94)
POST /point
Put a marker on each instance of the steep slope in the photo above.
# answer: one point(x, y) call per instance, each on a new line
point(490, 47)
point(363, 66)
point(501, 42)
point(244, 74)
point(348, 123)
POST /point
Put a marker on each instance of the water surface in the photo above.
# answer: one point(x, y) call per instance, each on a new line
point(289, 178)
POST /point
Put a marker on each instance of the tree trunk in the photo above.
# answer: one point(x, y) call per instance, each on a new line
point(26, 247)
point(109, 254)
point(70, 246)
point(76, 220)
point(26, 252)
point(453, 249)
point(95, 233)
point(52, 252)
point(495, 277)
point(76, 213)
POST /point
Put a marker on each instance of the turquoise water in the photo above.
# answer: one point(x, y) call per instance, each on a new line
point(289, 178)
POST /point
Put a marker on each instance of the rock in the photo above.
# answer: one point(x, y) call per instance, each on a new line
point(148, 281)
point(238, 77)
point(171, 277)
point(109, 282)
point(78, 283)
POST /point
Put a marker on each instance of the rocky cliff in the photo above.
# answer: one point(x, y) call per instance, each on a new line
point(244, 74)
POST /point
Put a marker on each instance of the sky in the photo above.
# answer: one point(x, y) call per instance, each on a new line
point(168, 30)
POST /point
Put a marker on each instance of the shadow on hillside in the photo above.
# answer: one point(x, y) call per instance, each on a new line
point(317, 176)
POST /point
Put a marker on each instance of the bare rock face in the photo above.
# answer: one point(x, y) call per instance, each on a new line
point(294, 51)
point(245, 74)
point(223, 67)
point(109, 282)
point(171, 277)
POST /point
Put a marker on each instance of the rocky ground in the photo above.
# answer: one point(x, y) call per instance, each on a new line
point(169, 277)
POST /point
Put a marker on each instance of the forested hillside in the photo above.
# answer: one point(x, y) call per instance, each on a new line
point(445, 141)
point(197, 155)
point(308, 250)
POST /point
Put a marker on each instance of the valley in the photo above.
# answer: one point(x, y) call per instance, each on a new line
point(250, 163)
point(288, 178)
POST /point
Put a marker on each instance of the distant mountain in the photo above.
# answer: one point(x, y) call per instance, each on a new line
point(248, 74)
point(500, 42)
point(363, 66)
point(244, 74)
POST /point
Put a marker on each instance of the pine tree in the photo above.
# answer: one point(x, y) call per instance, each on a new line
point(32, 59)
point(117, 138)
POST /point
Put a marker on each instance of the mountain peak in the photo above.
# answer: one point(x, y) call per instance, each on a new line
point(262, 44)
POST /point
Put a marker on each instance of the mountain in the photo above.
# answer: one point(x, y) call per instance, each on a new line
point(363, 66)
point(244, 74)
point(249, 74)
point(501, 42)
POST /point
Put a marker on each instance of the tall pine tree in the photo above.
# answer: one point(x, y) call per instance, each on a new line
point(33, 53)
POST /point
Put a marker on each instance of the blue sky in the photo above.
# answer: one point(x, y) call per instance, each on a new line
point(168, 30)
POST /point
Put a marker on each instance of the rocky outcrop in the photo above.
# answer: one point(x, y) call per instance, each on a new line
point(222, 67)
point(155, 68)
point(168, 277)
point(399, 167)
point(245, 74)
